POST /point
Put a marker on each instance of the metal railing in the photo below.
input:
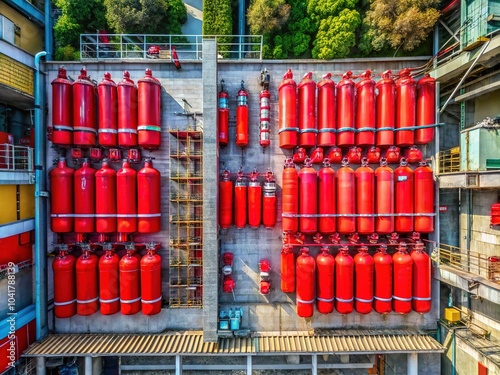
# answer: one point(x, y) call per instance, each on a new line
point(449, 160)
point(468, 261)
point(16, 158)
point(150, 46)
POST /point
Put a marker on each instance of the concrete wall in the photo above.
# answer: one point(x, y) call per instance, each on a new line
point(449, 220)
point(31, 37)
point(397, 364)
point(487, 106)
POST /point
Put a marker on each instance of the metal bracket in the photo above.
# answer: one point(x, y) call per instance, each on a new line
point(32, 178)
point(42, 193)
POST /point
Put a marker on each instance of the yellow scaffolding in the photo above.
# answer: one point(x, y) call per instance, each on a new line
point(449, 160)
point(186, 219)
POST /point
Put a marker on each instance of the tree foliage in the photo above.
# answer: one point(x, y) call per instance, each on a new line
point(267, 16)
point(399, 23)
point(218, 20)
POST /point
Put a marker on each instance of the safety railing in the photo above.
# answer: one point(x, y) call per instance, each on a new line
point(167, 47)
point(449, 160)
point(468, 261)
point(16, 158)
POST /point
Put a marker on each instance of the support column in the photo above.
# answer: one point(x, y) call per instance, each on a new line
point(210, 184)
point(178, 365)
point(40, 366)
point(88, 365)
point(412, 364)
point(249, 365)
point(314, 362)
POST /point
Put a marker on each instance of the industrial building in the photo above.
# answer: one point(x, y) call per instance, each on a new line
point(202, 325)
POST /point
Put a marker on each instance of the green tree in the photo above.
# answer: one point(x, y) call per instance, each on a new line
point(218, 20)
point(399, 23)
point(267, 16)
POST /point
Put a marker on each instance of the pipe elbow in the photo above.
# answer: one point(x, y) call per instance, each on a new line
point(38, 56)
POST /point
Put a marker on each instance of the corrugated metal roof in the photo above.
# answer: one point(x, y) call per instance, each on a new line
point(191, 343)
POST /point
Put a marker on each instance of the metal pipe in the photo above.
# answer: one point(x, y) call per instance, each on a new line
point(40, 206)
point(412, 364)
point(49, 45)
point(453, 352)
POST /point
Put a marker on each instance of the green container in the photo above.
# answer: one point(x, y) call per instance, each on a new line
point(480, 148)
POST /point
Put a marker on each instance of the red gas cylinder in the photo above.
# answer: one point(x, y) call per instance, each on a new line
point(421, 273)
point(85, 198)
point(426, 109)
point(365, 110)
point(108, 119)
point(308, 198)
point(105, 199)
point(254, 200)
point(290, 198)
point(317, 155)
point(306, 282)
point(327, 122)
point(151, 281)
point(424, 199)
point(363, 275)
point(148, 199)
point(130, 282)
point(373, 155)
point(346, 201)
point(402, 280)
point(61, 198)
point(299, 155)
point(287, 269)
point(344, 281)
point(287, 111)
point(383, 281)
point(307, 111)
point(354, 155)
point(126, 202)
point(335, 155)
point(413, 154)
point(365, 202)
point(87, 282)
point(242, 117)
point(384, 198)
point(269, 202)
point(225, 201)
point(392, 155)
point(495, 214)
point(62, 105)
point(386, 110)
point(345, 111)
point(326, 198)
point(223, 119)
point(264, 121)
point(240, 201)
point(84, 111)
point(127, 112)
point(406, 93)
point(149, 111)
point(403, 201)
point(64, 284)
point(109, 285)
point(325, 287)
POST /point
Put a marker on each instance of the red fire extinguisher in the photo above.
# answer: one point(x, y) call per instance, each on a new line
point(126, 204)
point(148, 199)
point(402, 287)
point(175, 59)
point(344, 281)
point(87, 282)
point(365, 193)
point(421, 272)
point(290, 199)
point(265, 118)
point(240, 201)
point(325, 288)
point(109, 286)
point(149, 111)
point(345, 111)
point(424, 199)
point(363, 275)
point(85, 198)
point(105, 199)
point(242, 117)
point(287, 111)
point(403, 201)
point(287, 269)
point(306, 282)
point(62, 109)
point(108, 118)
point(426, 109)
point(254, 200)
point(151, 281)
point(346, 201)
point(326, 198)
point(61, 198)
point(386, 110)
point(384, 198)
point(307, 111)
point(406, 93)
point(365, 110)
point(127, 112)
point(64, 284)
point(308, 198)
point(130, 282)
point(225, 201)
point(327, 122)
point(269, 201)
point(84, 111)
point(223, 115)
point(383, 281)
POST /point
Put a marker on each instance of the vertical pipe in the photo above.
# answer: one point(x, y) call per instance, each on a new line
point(40, 366)
point(453, 352)
point(412, 364)
point(88, 365)
point(49, 45)
point(178, 365)
point(241, 25)
point(314, 362)
point(40, 205)
point(249, 364)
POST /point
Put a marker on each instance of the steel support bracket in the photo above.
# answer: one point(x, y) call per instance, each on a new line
point(42, 193)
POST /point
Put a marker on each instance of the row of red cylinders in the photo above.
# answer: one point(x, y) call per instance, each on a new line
point(364, 200)
point(85, 285)
point(386, 283)
point(124, 115)
point(252, 204)
point(105, 201)
point(349, 113)
point(241, 117)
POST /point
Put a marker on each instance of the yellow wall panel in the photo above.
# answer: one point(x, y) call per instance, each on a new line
point(27, 201)
point(31, 36)
point(8, 204)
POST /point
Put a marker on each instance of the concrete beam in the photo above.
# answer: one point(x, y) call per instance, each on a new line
point(16, 178)
point(16, 227)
